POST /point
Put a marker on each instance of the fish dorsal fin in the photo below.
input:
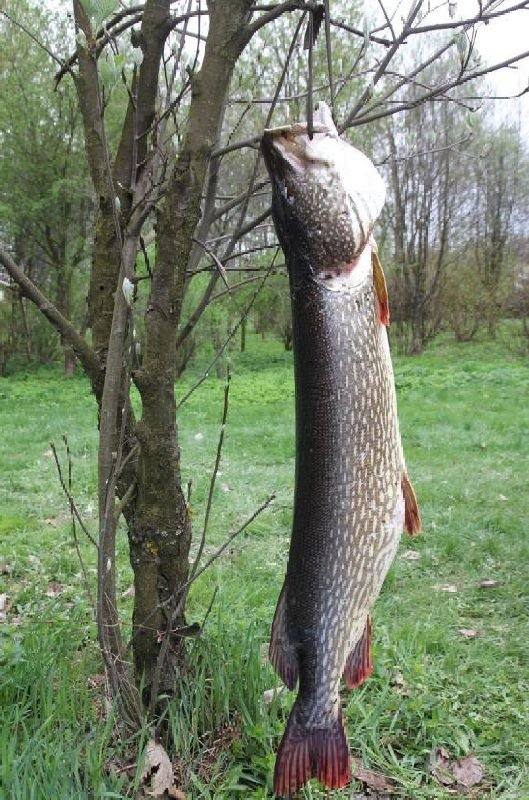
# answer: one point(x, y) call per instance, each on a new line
point(381, 288)
point(359, 664)
point(412, 516)
point(282, 653)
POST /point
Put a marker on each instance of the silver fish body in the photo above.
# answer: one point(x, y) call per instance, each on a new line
point(349, 504)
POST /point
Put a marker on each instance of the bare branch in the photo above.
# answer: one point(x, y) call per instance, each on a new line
point(234, 330)
point(82, 349)
point(213, 479)
point(272, 13)
point(74, 513)
point(33, 38)
point(434, 92)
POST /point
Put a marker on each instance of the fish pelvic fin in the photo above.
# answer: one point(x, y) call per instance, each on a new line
point(412, 516)
point(359, 664)
point(381, 289)
point(306, 753)
point(282, 653)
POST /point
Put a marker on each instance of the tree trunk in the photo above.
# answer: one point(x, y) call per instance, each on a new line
point(160, 532)
point(243, 334)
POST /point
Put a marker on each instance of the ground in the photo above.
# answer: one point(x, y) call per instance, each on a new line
point(450, 628)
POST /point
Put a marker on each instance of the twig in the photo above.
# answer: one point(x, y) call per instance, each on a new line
point(219, 353)
point(73, 508)
point(213, 479)
point(182, 591)
point(82, 349)
point(33, 37)
point(74, 515)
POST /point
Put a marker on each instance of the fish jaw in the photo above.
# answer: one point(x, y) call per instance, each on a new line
point(326, 194)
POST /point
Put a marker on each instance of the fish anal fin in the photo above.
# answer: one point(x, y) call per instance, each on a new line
point(381, 289)
point(282, 653)
point(412, 516)
point(306, 753)
point(359, 664)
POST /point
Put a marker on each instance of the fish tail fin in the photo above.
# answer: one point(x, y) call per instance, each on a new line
point(412, 516)
point(359, 664)
point(381, 289)
point(282, 653)
point(306, 753)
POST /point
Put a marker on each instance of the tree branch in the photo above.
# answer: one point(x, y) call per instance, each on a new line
point(82, 349)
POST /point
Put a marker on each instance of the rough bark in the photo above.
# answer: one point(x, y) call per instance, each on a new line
point(160, 532)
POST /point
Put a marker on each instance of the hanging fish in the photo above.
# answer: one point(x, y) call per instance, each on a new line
point(352, 493)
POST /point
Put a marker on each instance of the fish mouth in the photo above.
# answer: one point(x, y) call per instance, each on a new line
point(288, 150)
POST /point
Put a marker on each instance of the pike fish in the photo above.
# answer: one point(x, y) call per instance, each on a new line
point(352, 495)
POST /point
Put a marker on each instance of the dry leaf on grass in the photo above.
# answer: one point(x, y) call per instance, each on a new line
point(373, 780)
point(411, 555)
point(489, 583)
point(451, 588)
point(398, 682)
point(130, 592)
point(468, 633)
point(270, 694)
point(159, 771)
point(460, 773)
point(468, 771)
point(54, 589)
point(96, 680)
point(5, 605)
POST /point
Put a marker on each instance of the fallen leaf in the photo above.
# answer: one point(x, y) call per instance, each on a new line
point(489, 583)
point(468, 771)
point(411, 555)
point(448, 587)
point(54, 589)
point(4, 602)
point(468, 633)
point(159, 771)
point(128, 592)
point(50, 521)
point(94, 681)
point(440, 766)
point(177, 794)
point(503, 498)
point(399, 684)
point(373, 780)
point(270, 694)
point(461, 773)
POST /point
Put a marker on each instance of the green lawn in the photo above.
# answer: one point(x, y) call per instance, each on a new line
point(464, 413)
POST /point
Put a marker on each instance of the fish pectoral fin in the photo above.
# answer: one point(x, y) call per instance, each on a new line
point(412, 516)
point(282, 652)
point(307, 752)
point(359, 664)
point(381, 289)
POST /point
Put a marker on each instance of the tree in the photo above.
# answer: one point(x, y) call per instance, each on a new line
point(424, 149)
point(163, 171)
point(45, 203)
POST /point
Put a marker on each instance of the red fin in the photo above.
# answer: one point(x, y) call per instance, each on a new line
point(306, 753)
point(282, 653)
point(381, 289)
point(359, 665)
point(412, 516)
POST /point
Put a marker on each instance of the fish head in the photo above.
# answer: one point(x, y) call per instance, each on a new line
point(326, 195)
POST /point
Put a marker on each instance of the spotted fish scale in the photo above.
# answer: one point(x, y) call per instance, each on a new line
point(352, 497)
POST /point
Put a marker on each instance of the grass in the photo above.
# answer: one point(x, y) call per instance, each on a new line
point(465, 424)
